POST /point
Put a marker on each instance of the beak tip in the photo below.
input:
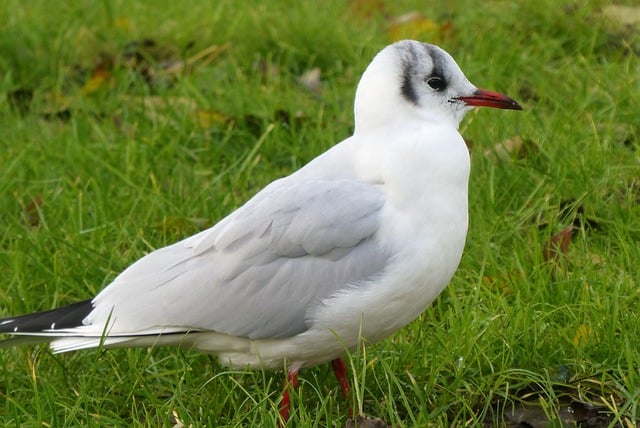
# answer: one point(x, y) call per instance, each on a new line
point(484, 98)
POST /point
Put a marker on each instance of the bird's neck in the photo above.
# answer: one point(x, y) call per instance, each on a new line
point(424, 174)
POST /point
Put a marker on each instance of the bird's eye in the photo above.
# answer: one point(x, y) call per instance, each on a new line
point(436, 83)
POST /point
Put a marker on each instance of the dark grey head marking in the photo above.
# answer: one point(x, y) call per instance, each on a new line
point(410, 71)
point(438, 62)
point(409, 61)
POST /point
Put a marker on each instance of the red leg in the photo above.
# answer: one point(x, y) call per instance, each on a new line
point(340, 370)
point(289, 384)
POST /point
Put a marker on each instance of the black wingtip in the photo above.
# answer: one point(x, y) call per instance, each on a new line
point(65, 317)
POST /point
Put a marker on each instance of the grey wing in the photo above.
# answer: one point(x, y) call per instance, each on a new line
point(259, 272)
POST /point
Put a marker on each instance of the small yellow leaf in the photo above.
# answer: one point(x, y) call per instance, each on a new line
point(583, 332)
point(98, 79)
point(412, 25)
point(208, 118)
point(123, 23)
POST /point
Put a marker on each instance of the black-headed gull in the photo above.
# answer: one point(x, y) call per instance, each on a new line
point(356, 244)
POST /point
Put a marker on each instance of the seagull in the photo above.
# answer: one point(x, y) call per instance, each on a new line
point(354, 245)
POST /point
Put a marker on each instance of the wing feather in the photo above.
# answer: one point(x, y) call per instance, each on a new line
point(260, 271)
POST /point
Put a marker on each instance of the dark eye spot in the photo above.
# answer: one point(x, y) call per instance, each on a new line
point(436, 83)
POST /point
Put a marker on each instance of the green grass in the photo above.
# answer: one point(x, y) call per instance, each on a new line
point(114, 178)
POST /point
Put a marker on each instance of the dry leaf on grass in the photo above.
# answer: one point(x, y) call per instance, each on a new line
point(311, 80)
point(98, 79)
point(625, 15)
point(583, 335)
point(414, 25)
point(510, 149)
point(32, 211)
point(558, 245)
point(176, 422)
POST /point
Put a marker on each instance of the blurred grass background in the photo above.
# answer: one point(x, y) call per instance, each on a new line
point(127, 125)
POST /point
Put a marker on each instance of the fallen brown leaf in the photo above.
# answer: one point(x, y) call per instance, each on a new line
point(558, 245)
point(98, 79)
point(31, 212)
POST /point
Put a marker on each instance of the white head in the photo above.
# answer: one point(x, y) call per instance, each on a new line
point(414, 80)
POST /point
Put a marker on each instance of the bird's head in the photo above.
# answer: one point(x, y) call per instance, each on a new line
point(410, 79)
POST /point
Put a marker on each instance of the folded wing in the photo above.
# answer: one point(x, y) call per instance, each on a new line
point(259, 272)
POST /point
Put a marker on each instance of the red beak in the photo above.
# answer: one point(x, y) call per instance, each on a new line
point(482, 98)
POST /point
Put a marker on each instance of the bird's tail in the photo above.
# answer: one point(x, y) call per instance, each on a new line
point(42, 326)
point(63, 328)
